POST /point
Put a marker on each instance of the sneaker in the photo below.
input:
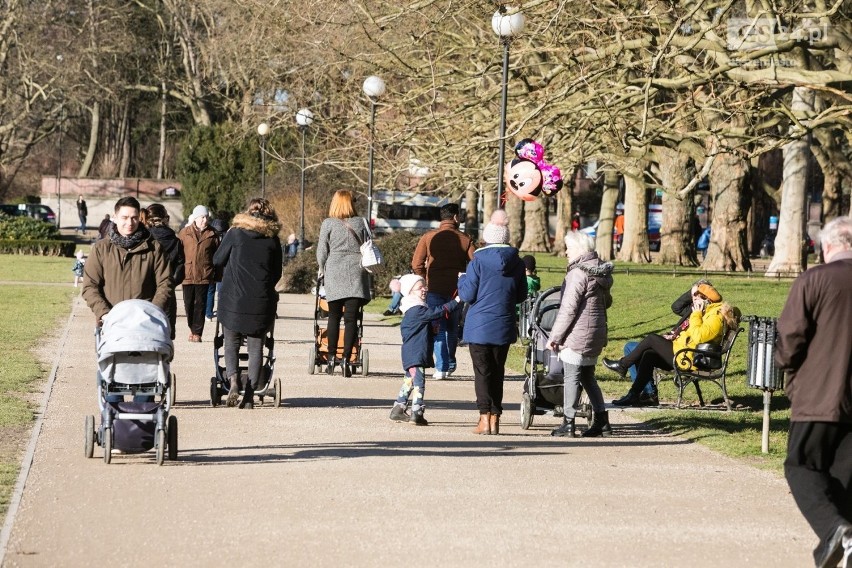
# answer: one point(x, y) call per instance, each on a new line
point(398, 413)
point(417, 419)
point(440, 375)
point(387, 313)
point(836, 548)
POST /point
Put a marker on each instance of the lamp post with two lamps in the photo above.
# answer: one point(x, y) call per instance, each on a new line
point(262, 131)
point(374, 87)
point(507, 23)
point(304, 118)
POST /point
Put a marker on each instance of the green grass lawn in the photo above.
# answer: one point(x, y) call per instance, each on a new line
point(41, 308)
point(642, 305)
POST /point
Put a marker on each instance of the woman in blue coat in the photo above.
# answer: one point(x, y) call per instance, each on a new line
point(495, 282)
point(249, 260)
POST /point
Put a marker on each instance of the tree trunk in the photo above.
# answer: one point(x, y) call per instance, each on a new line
point(677, 241)
point(790, 251)
point(835, 167)
point(731, 201)
point(603, 237)
point(161, 155)
point(536, 238)
point(124, 138)
point(515, 209)
point(86, 166)
point(634, 247)
point(471, 223)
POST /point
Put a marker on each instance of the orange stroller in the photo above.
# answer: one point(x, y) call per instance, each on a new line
point(319, 354)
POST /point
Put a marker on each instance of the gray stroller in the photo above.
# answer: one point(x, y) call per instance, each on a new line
point(134, 350)
point(544, 386)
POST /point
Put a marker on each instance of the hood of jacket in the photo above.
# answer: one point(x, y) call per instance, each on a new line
point(498, 257)
point(591, 264)
point(263, 227)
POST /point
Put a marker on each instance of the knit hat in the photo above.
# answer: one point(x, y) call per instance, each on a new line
point(407, 282)
point(709, 292)
point(529, 262)
point(199, 211)
point(394, 285)
point(495, 234)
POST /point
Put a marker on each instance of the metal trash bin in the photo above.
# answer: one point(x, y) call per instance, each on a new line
point(761, 369)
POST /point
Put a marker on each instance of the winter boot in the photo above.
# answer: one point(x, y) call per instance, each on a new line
point(398, 413)
point(567, 430)
point(484, 426)
point(600, 426)
point(233, 390)
point(494, 423)
point(417, 418)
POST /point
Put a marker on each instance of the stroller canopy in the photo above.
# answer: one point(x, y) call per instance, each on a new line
point(135, 325)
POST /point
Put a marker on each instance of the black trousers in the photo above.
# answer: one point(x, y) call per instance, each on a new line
point(195, 304)
point(653, 352)
point(818, 469)
point(347, 308)
point(489, 370)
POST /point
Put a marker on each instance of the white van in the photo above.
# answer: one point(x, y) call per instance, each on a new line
point(405, 211)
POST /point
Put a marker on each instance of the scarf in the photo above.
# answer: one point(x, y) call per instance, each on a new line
point(130, 242)
point(409, 302)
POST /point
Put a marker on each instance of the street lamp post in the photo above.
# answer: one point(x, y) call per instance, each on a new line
point(262, 131)
point(507, 22)
point(304, 118)
point(59, 170)
point(374, 87)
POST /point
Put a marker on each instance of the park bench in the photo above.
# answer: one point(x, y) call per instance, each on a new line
point(708, 366)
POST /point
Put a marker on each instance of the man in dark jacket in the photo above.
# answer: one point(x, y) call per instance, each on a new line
point(439, 257)
point(813, 347)
point(128, 264)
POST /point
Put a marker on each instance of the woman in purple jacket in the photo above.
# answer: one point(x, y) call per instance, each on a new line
point(579, 331)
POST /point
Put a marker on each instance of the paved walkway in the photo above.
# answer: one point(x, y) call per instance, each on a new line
point(328, 480)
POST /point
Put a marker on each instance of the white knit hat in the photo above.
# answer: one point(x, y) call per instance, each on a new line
point(407, 282)
point(495, 234)
point(200, 211)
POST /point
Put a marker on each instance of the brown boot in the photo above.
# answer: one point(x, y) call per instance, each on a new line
point(484, 426)
point(494, 422)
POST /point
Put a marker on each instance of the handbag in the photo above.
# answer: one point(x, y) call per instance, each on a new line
point(707, 357)
point(371, 256)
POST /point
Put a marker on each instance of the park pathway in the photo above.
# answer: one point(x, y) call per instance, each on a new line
point(328, 480)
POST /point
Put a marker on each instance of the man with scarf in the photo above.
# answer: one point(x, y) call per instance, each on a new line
point(128, 264)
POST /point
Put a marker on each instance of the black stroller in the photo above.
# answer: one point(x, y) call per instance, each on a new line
point(134, 350)
point(319, 353)
point(544, 386)
point(220, 386)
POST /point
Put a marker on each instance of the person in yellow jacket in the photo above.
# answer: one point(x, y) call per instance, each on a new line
point(708, 322)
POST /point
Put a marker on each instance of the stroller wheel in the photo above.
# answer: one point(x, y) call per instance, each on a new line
point(527, 411)
point(107, 445)
point(276, 396)
point(173, 438)
point(365, 362)
point(89, 447)
point(161, 446)
point(312, 360)
point(172, 387)
point(215, 399)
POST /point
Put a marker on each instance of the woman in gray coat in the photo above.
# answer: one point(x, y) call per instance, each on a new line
point(579, 332)
point(347, 284)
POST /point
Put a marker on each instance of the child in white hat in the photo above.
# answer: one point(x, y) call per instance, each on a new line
point(77, 269)
point(416, 329)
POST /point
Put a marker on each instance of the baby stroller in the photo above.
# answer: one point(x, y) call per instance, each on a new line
point(220, 385)
point(544, 386)
point(319, 354)
point(134, 350)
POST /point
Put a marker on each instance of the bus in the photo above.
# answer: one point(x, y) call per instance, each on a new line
point(405, 211)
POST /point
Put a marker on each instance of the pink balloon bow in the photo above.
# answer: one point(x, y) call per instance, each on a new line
point(537, 176)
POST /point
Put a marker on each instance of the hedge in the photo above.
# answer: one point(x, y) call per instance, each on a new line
point(37, 247)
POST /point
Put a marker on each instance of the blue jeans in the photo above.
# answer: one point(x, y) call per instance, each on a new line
point(396, 299)
point(650, 388)
point(211, 298)
point(413, 387)
point(447, 335)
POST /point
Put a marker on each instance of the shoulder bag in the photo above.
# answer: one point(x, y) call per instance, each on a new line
point(371, 256)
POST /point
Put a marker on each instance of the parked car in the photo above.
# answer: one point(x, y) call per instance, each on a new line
point(34, 210)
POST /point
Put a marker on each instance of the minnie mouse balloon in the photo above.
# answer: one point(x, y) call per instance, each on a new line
point(529, 175)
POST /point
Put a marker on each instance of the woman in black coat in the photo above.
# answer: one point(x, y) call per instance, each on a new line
point(157, 221)
point(249, 260)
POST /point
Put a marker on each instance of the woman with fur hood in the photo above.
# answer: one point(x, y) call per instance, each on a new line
point(579, 332)
point(249, 260)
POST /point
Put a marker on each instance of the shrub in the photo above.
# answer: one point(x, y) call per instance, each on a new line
point(300, 274)
point(26, 229)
